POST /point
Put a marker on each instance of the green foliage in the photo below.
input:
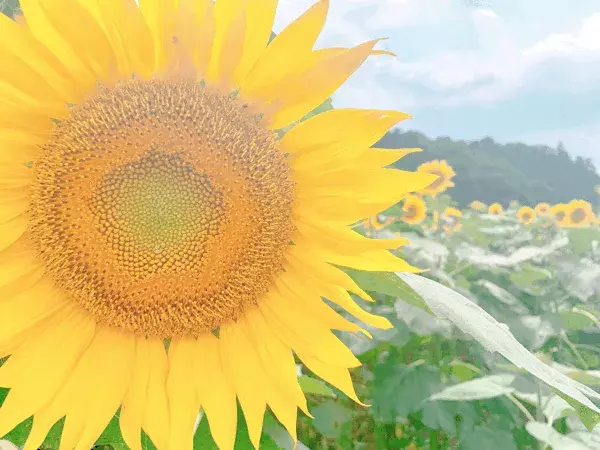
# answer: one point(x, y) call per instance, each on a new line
point(9, 7)
point(493, 172)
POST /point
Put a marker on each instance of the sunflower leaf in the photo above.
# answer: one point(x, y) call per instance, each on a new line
point(496, 337)
point(313, 386)
point(389, 284)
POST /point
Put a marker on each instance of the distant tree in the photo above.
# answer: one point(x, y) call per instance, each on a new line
point(493, 172)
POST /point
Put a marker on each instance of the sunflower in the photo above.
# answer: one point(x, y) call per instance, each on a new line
point(561, 214)
point(526, 215)
point(377, 224)
point(415, 209)
point(147, 199)
point(542, 208)
point(450, 218)
point(477, 205)
point(495, 209)
point(444, 173)
point(581, 213)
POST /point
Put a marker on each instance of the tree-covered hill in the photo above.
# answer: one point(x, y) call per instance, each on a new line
point(494, 172)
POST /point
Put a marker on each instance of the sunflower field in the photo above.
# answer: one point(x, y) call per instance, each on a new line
point(198, 252)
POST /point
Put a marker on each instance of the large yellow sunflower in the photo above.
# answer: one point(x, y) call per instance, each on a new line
point(542, 208)
point(414, 209)
point(561, 214)
point(146, 198)
point(526, 215)
point(444, 173)
point(581, 213)
point(495, 209)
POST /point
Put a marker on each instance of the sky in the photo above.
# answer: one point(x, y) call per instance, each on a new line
point(514, 70)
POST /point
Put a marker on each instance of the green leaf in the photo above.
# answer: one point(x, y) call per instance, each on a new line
point(464, 371)
point(589, 417)
point(495, 337)
point(548, 435)
point(330, 418)
point(478, 389)
point(387, 283)
point(400, 390)
point(316, 387)
point(528, 275)
point(112, 433)
point(580, 239)
point(203, 439)
point(487, 438)
point(440, 415)
point(576, 320)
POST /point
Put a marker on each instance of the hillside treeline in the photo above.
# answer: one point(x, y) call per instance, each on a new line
point(492, 172)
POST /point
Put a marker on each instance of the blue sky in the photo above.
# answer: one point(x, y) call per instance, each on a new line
point(516, 70)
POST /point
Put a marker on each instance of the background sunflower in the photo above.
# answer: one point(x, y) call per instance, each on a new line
point(443, 171)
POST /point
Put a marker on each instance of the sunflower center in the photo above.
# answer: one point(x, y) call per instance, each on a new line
point(439, 181)
point(410, 212)
point(560, 215)
point(162, 207)
point(578, 215)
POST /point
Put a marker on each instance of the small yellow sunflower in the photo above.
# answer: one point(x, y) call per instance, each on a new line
point(542, 209)
point(376, 224)
point(414, 210)
point(561, 214)
point(495, 209)
point(477, 205)
point(146, 198)
point(581, 214)
point(442, 170)
point(450, 218)
point(526, 215)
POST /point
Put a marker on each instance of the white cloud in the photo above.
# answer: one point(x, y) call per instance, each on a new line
point(584, 40)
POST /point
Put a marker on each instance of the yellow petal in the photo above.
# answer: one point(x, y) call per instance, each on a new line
point(230, 30)
point(240, 337)
point(277, 359)
point(20, 42)
point(295, 291)
point(129, 35)
point(239, 366)
point(106, 365)
point(17, 261)
point(194, 34)
point(299, 94)
point(75, 38)
point(342, 239)
point(183, 403)
point(13, 202)
point(375, 260)
point(285, 52)
point(22, 312)
point(216, 394)
point(53, 353)
point(19, 147)
point(160, 15)
point(156, 413)
point(338, 131)
point(336, 376)
point(298, 329)
point(341, 297)
point(323, 163)
point(12, 229)
point(327, 273)
point(259, 23)
point(132, 409)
